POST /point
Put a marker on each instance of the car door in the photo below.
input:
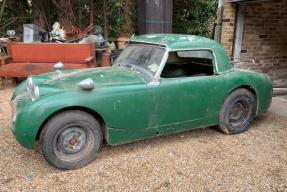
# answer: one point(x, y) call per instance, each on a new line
point(186, 102)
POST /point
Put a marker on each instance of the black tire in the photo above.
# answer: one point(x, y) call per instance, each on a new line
point(237, 112)
point(71, 139)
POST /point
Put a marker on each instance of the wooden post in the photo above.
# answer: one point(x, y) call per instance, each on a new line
point(238, 32)
point(218, 26)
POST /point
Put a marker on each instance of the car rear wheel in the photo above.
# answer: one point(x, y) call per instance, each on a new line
point(237, 112)
point(71, 139)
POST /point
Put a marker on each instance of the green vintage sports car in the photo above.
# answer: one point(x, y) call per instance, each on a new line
point(160, 84)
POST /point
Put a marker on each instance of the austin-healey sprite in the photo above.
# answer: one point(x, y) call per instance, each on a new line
point(159, 84)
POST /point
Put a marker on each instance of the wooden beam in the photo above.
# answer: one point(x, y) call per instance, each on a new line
point(238, 32)
point(218, 22)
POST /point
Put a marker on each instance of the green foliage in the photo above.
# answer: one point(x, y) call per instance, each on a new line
point(115, 18)
point(189, 16)
point(194, 16)
point(117, 24)
point(15, 14)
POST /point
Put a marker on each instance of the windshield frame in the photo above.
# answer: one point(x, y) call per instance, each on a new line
point(156, 75)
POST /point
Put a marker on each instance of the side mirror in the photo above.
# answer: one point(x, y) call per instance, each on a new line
point(58, 66)
point(87, 84)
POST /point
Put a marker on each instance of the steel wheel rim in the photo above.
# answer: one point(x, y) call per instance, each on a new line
point(239, 113)
point(73, 143)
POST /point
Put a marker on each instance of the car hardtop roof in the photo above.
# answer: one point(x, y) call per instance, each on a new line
point(177, 41)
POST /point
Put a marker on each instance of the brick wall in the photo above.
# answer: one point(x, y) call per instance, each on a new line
point(264, 38)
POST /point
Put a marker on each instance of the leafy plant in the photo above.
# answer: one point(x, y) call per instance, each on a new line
point(13, 15)
point(194, 17)
point(189, 16)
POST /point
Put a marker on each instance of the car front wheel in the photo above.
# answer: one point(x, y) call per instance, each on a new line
point(237, 112)
point(71, 139)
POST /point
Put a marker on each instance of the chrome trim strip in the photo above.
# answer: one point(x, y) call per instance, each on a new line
point(162, 64)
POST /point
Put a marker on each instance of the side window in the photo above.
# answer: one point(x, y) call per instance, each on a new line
point(203, 54)
point(189, 64)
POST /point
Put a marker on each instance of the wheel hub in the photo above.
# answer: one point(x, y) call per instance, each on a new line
point(72, 140)
point(239, 113)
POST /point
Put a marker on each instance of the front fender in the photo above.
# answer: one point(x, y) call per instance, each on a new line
point(30, 118)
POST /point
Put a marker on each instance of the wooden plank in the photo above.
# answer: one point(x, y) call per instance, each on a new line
point(37, 58)
point(50, 52)
point(26, 69)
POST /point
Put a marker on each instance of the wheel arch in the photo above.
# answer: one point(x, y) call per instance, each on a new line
point(95, 114)
point(249, 88)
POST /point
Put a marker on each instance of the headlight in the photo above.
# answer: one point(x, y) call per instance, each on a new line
point(30, 83)
point(13, 110)
point(35, 92)
point(33, 88)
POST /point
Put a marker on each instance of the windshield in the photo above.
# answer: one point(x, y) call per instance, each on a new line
point(143, 58)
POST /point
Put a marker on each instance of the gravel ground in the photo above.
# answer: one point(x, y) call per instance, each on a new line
point(198, 160)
